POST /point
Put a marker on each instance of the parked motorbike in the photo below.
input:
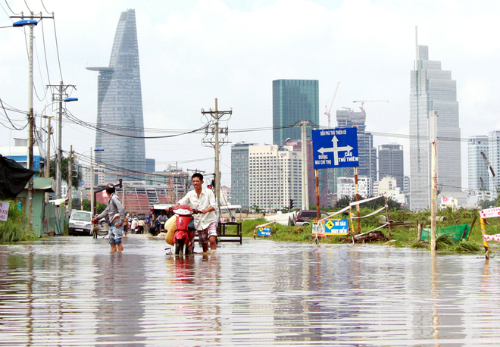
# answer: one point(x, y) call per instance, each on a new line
point(185, 230)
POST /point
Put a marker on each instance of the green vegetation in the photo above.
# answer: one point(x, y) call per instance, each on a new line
point(402, 236)
point(86, 205)
point(16, 227)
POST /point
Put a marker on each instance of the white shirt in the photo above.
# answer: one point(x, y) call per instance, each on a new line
point(206, 199)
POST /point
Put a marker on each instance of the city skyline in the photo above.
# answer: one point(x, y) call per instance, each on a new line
point(200, 60)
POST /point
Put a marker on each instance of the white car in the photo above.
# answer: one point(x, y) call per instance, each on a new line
point(80, 223)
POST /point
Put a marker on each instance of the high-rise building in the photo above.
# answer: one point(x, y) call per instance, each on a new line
point(239, 174)
point(119, 107)
point(311, 179)
point(478, 171)
point(150, 165)
point(269, 167)
point(366, 152)
point(432, 89)
point(346, 187)
point(391, 162)
point(294, 100)
point(494, 159)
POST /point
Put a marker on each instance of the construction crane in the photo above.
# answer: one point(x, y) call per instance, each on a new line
point(363, 103)
point(327, 110)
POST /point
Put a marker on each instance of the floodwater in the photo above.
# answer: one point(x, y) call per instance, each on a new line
point(72, 291)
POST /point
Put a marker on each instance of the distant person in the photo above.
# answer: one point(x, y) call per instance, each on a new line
point(133, 225)
point(126, 224)
point(161, 218)
point(140, 226)
point(204, 200)
point(116, 215)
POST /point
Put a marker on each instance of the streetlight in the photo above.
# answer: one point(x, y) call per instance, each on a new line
point(278, 167)
point(31, 23)
point(59, 147)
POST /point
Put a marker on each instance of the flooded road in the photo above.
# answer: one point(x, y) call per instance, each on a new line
point(72, 291)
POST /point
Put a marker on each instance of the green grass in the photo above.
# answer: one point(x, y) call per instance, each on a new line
point(401, 236)
point(16, 227)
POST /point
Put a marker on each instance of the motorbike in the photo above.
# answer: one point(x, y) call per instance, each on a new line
point(185, 230)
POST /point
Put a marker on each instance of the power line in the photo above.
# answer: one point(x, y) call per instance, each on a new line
point(57, 47)
point(6, 3)
point(44, 7)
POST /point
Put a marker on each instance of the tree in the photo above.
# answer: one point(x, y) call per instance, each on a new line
point(75, 181)
point(344, 201)
point(99, 207)
point(487, 203)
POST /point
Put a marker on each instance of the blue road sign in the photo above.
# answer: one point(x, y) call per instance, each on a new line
point(335, 148)
point(264, 231)
point(336, 226)
point(82, 182)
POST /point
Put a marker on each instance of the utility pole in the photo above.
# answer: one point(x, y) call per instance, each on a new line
point(433, 141)
point(31, 23)
point(356, 191)
point(305, 178)
point(211, 139)
point(91, 184)
point(47, 160)
point(59, 97)
point(70, 175)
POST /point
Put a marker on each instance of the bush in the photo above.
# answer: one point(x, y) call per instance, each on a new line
point(16, 228)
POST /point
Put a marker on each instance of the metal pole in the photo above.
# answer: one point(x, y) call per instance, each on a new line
point(485, 243)
point(30, 127)
point(70, 174)
point(433, 140)
point(81, 199)
point(47, 165)
point(305, 182)
point(91, 184)
point(59, 145)
point(279, 178)
point(217, 173)
point(316, 175)
point(356, 190)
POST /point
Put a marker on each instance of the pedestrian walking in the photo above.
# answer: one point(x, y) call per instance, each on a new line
point(116, 215)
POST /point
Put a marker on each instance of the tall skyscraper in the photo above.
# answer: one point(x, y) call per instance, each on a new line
point(494, 159)
point(478, 171)
point(391, 162)
point(119, 107)
point(294, 100)
point(432, 89)
point(240, 174)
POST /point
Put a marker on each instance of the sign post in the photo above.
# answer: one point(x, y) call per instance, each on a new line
point(334, 148)
point(4, 211)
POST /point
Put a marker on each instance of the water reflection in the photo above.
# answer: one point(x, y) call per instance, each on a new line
point(69, 291)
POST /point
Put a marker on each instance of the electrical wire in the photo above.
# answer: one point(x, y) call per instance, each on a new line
point(57, 48)
point(27, 5)
point(6, 3)
point(44, 7)
point(11, 121)
point(88, 125)
point(45, 50)
point(41, 76)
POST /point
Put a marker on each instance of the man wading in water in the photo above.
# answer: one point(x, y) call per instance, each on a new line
point(204, 200)
point(115, 213)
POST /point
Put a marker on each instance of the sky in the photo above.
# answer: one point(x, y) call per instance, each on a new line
point(194, 51)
